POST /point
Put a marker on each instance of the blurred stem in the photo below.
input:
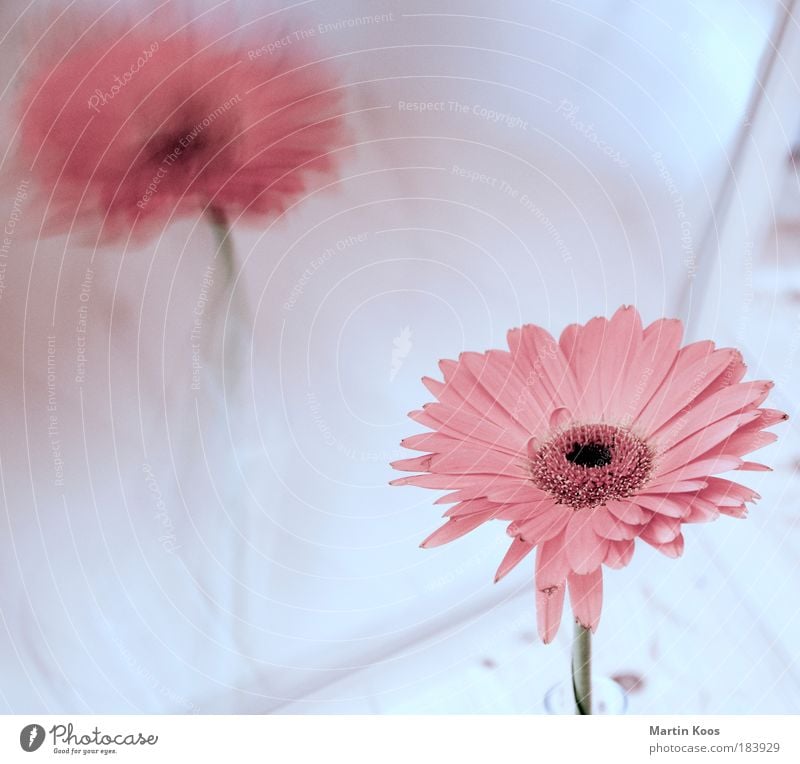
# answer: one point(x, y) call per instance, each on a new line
point(230, 322)
point(222, 235)
point(582, 670)
point(231, 313)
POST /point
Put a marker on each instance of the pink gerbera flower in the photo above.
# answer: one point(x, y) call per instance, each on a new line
point(129, 124)
point(612, 434)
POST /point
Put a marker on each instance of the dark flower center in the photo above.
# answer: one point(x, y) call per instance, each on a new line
point(589, 455)
point(586, 465)
point(169, 148)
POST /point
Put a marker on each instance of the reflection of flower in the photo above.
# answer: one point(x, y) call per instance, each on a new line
point(613, 433)
point(127, 127)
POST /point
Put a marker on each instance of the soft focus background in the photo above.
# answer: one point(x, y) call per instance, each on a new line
point(168, 549)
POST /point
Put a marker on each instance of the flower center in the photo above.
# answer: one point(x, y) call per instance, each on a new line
point(588, 464)
point(589, 455)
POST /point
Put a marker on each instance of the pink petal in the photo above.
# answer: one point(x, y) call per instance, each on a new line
point(456, 528)
point(627, 511)
point(661, 530)
point(544, 366)
point(585, 549)
point(700, 468)
point(551, 575)
point(496, 373)
point(703, 441)
point(439, 443)
point(754, 467)
point(739, 512)
point(518, 550)
point(468, 459)
point(619, 553)
point(728, 401)
point(610, 527)
point(549, 608)
point(581, 346)
point(518, 492)
point(664, 505)
point(586, 597)
point(459, 422)
point(732, 374)
point(701, 511)
point(727, 493)
point(742, 443)
point(471, 506)
point(659, 349)
point(670, 485)
point(544, 525)
point(671, 397)
point(560, 417)
point(552, 566)
point(673, 549)
point(465, 494)
point(624, 343)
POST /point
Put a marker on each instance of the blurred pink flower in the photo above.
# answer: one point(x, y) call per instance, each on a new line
point(584, 445)
point(129, 125)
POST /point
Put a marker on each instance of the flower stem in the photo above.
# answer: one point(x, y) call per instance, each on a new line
point(582, 670)
point(231, 314)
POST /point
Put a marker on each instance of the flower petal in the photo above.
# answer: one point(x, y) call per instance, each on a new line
point(552, 569)
point(544, 367)
point(544, 525)
point(585, 549)
point(673, 549)
point(610, 527)
point(664, 505)
point(623, 345)
point(619, 553)
point(697, 445)
point(586, 597)
point(518, 550)
point(681, 386)
point(659, 349)
point(456, 528)
point(628, 511)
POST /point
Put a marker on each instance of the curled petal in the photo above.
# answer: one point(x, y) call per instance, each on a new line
point(619, 553)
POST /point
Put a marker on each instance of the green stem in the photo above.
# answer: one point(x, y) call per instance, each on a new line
point(582, 670)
